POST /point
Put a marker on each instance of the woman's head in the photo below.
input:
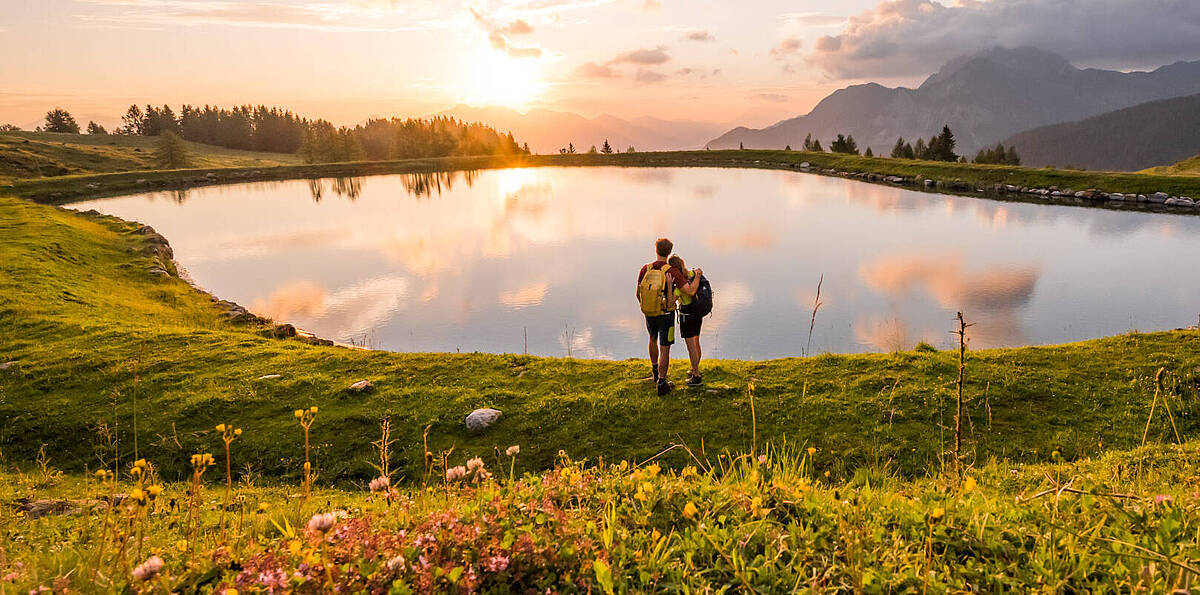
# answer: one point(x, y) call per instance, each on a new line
point(677, 262)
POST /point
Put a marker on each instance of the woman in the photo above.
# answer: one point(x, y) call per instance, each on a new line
point(689, 324)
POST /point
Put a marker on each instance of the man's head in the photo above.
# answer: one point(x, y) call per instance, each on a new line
point(663, 247)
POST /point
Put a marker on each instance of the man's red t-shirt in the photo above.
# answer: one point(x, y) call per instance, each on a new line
point(678, 278)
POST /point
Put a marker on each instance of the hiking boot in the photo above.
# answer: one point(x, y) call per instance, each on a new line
point(664, 387)
point(695, 380)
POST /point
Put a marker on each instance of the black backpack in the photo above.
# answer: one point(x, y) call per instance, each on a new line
point(702, 302)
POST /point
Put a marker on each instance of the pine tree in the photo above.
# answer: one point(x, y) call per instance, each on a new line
point(898, 149)
point(1011, 157)
point(868, 153)
point(741, 146)
point(788, 148)
point(607, 148)
point(920, 151)
point(631, 149)
point(851, 146)
point(593, 151)
point(171, 152)
point(60, 120)
point(816, 146)
point(94, 128)
point(525, 149)
point(808, 144)
point(308, 146)
point(571, 148)
point(945, 145)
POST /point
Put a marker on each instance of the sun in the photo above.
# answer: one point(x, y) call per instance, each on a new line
point(494, 78)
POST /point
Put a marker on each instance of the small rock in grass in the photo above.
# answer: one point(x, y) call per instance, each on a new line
point(270, 377)
point(283, 331)
point(482, 419)
point(9, 365)
point(361, 386)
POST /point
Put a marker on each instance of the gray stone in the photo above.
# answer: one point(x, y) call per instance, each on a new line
point(361, 386)
point(1116, 196)
point(159, 272)
point(1172, 201)
point(9, 365)
point(1158, 197)
point(269, 377)
point(482, 419)
point(1140, 198)
point(804, 164)
point(929, 183)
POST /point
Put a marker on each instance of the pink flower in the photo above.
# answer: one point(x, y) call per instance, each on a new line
point(475, 464)
point(148, 569)
point(396, 564)
point(456, 473)
point(762, 459)
point(380, 484)
point(495, 563)
point(1162, 499)
point(321, 522)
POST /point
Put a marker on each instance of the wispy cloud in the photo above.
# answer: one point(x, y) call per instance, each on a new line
point(813, 19)
point(359, 16)
point(772, 97)
point(699, 36)
point(786, 48)
point(644, 57)
point(648, 77)
point(591, 70)
point(498, 36)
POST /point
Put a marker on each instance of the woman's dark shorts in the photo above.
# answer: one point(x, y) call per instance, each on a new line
point(662, 328)
point(689, 325)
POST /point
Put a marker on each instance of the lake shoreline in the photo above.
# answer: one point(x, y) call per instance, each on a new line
point(995, 182)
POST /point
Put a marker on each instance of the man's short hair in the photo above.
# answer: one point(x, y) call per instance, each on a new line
point(664, 247)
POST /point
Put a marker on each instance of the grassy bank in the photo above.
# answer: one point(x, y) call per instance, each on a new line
point(58, 190)
point(1127, 522)
point(112, 361)
point(47, 154)
point(1187, 167)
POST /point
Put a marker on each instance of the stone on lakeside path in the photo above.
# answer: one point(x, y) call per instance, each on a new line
point(361, 386)
point(482, 419)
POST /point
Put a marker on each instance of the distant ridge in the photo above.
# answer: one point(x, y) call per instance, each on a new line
point(547, 131)
point(984, 97)
point(1155, 133)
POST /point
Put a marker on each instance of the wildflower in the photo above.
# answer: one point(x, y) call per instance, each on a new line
point(181, 545)
point(762, 459)
point(221, 428)
point(1162, 499)
point(812, 450)
point(456, 473)
point(230, 591)
point(154, 491)
point(237, 432)
point(495, 563)
point(313, 409)
point(148, 569)
point(263, 506)
point(688, 471)
point(936, 514)
point(379, 484)
point(101, 474)
point(513, 450)
point(321, 522)
point(969, 485)
point(826, 474)
point(138, 495)
point(475, 464)
point(396, 564)
point(690, 510)
point(298, 413)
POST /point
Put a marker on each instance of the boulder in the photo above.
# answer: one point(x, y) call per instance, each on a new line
point(159, 272)
point(283, 331)
point(361, 386)
point(805, 164)
point(1116, 196)
point(1158, 197)
point(482, 419)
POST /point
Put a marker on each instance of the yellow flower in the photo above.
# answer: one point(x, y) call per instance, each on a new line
point(826, 474)
point(690, 510)
point(653, 469)
point(299, 413)
point(138, 495)
point(154, 491)
point(812, 450)
point(294, 547)
point(968, 485)
point(313, 409)
point(135, 471)
point(263, 506)
point(231, 591)
point(688, 471)
point(936, 514)
point(221, 428)
point(181, 545)
point(237, 432)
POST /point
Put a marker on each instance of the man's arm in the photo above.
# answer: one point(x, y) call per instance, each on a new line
point(690, 288)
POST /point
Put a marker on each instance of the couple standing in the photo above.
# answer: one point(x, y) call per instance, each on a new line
point(664, 287)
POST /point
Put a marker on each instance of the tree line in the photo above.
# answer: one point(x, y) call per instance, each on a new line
point(276, 130)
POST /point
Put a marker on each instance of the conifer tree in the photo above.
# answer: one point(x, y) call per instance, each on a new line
point(96, 129)
point(607, 148)
point(171, 153)
point(60, 120)
point(868, 153)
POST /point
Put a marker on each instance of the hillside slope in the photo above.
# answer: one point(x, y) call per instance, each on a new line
point(1155, 133)
point(37, 154)
point(101, 348)
point(1186, 167)
point(547, 131)
point(983, 97)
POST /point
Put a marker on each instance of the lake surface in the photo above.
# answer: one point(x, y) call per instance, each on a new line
point(547, 257)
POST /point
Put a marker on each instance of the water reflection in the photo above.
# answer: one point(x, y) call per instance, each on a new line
point(443, 261)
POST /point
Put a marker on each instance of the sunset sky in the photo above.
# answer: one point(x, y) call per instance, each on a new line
point(750, 62)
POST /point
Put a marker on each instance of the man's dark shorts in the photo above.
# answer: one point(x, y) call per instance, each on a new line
point(662, 328)
point(689, 325)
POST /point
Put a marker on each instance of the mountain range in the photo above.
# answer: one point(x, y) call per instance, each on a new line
point(1154, 133)
point(547, 131)
point(983, 97)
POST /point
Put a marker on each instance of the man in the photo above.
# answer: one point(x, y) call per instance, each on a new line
point(656, 295)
